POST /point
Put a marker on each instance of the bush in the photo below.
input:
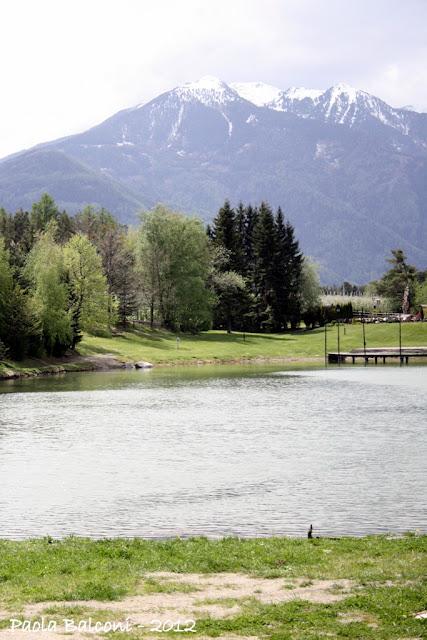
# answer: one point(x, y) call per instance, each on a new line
point(3, 351)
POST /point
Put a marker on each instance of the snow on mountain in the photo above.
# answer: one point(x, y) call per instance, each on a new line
point(346, 105)
point(208, 90)
point(336, 160)
point(301, 93)
point(340, 104)
point(258, 93)
point(298, 100)
point(174, 108)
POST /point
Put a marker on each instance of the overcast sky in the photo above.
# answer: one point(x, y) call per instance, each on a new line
point(68, 64)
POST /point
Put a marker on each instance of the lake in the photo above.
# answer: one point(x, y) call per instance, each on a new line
point(247, 451)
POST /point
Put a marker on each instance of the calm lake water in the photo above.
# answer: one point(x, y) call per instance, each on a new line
point(216, 451)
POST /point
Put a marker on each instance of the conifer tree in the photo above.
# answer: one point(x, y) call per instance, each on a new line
point(264, 281)
point(239, 258)
point(224, 233)
point(398, 283)
point(251, 215)
point(294, 263)
point(124, 282)
point(18, 327)
point(281, 267)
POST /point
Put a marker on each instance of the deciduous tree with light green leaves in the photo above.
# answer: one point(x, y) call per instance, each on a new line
point(310, 286)
point(18, 327)
point(88, 291)
point(174, 262)
point(45, 270)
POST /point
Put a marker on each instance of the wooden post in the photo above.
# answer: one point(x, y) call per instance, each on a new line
point(338, 341)
point(326, 343)
point(400, 339)
point(364, 338)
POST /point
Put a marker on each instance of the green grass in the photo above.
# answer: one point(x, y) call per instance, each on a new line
point(153, 585)
point(377, 613)
point(38, 366)
point(389, 575)
point(82, 569)
point(160, 346)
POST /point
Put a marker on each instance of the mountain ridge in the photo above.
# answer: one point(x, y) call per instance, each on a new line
point(349, 170)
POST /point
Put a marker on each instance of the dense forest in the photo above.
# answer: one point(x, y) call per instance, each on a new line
point(62, 275)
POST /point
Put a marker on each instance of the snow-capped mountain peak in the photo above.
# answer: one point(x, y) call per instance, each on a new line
point(301, 93)
point(259, 93)
point(344, 104)
point(340, 104)
point(342, 88)
point(208, 90)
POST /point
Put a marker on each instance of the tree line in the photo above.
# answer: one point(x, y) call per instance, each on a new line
point(261, 280)
point(62, 275)
point(404, 286)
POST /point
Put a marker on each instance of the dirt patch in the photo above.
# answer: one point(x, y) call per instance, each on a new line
point(358, 616)
point(99, 362)
point(205, 595)
point(422, 615)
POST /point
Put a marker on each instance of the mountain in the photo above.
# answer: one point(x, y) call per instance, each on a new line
point(26, 176)
point(349, 170)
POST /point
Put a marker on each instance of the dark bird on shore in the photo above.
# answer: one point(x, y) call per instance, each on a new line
point(310, 532)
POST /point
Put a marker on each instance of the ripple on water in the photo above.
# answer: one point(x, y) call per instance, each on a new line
point(250, 453)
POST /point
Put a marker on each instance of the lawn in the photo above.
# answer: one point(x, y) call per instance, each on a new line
point(386, 575)
point(161, 346)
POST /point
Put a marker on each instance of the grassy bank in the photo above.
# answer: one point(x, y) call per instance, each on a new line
point(52, 366)
point(386, 578)
point(160, 347)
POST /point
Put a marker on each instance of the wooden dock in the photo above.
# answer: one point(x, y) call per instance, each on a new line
point(378, 354)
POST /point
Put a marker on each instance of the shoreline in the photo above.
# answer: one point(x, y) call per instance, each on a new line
point(70, 364)
point(419, 533)
point(109, 362)
point(135, 349)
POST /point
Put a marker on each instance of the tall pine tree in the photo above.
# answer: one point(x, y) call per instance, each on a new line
point(280, 261)
point(264, 280)
point(294, 264)
point(239, 258)
point(224, 234)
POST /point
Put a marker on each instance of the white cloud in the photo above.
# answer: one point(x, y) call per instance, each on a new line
point(67, 65)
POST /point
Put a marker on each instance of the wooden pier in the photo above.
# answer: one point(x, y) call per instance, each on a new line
point(378, 354)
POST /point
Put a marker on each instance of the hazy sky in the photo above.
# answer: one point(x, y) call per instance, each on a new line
point(68, 64)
